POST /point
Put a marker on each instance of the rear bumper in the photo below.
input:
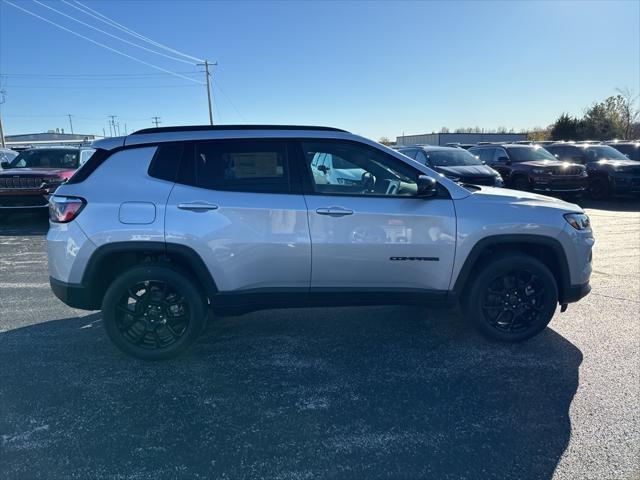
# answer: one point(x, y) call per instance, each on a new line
point(73, 294)
point(576, 292)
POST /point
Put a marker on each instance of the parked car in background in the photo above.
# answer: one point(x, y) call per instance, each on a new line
point(466, 146)
point(6, 155)
point(630, 149)
point(456, 164)
point(29, 179)
point(532, 168)
point(610, 171)
point(233, 219)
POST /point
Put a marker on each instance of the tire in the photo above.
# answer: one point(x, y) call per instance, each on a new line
point(516, 278)
point(599, 188)
point(521, 183)
point(153, 312)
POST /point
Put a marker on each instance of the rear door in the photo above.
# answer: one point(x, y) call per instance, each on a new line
point(238, 205)
point(375, 233)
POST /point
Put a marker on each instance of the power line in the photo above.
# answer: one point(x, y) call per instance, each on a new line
point(111, 35)
point(103, 18)
point(101, 44)
point(83, 75)
point(38, 87)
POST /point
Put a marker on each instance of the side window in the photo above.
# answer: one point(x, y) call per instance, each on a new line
point(166, 161)
point(358, 170)
point(499, 155)
point(411, 153)
point(421, 157)
point(245, 166)
point(485, 154)
point(575, 154)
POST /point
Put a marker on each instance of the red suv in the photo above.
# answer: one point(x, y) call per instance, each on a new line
point(532, 168)
point(27, 181)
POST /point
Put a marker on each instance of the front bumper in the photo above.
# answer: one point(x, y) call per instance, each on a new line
point(24, 199)
point(626, 184)
point(576, 292)
point(559, 183)
point(73, 294)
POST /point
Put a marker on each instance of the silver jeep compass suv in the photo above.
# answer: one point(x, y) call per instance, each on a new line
point(162, 225)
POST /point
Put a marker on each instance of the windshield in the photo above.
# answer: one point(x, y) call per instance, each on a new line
point(451, 158)
point(7, 155)
point(604, 152)
point(46, 158)
point(529, 154)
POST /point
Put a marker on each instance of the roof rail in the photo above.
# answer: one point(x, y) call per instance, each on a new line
point(190, 128)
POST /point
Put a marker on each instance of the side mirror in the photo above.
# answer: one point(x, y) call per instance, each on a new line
point(323, 168)
point(504, 160)
point(4, 164)
point(426, 186)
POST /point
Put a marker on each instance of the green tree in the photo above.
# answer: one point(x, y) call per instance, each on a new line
point(565, 127)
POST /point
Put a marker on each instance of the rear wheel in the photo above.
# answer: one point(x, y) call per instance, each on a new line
point(521, 183)
point(599, 188)
point(153, 312)
point(512, 298)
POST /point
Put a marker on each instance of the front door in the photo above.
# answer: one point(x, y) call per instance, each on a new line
point(369, 230)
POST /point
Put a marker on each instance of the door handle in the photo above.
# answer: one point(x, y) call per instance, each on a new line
point(334, 211)
point(197, 206)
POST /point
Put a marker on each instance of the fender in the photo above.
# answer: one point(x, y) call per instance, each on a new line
point(516, 240)
point(181, 254)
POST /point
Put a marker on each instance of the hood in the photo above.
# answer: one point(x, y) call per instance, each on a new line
point(37, 172)
point(548, 163)
point(467, 171)
point(507, 196)
point(615, 164)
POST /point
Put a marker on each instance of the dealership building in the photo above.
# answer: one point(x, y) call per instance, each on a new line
point(444, 138)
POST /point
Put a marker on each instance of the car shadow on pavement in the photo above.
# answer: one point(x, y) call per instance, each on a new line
point(376, 392)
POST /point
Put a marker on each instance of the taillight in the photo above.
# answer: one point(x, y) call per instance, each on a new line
point(65, 209)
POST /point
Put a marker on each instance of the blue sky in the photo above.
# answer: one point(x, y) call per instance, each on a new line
point(374, 68)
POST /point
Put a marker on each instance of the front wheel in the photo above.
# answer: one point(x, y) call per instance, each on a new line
point(153, 312)
point(521, 183)
point(599, 188)
point(512, 298)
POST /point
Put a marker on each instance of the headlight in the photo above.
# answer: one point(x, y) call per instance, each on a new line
point(579, 221)
point(540, 171)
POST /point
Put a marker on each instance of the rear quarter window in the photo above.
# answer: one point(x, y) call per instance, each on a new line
point(166, 161)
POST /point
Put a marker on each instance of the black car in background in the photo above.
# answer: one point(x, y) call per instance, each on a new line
point(630, 149)
point(610, 171)
point(454, 163)
point(532, 168)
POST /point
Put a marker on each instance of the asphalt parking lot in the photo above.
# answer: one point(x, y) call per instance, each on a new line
point(376, 392)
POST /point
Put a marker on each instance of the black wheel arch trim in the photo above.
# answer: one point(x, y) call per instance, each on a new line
point(564, 285)
point(167, 251)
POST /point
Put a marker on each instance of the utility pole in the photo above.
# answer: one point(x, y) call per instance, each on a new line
point(118, 128)
point(104, 134)
point(2, 97)
point(112, 124)
point(206, 72)
point(70, 122)
point(155, 121)
point(125, 128)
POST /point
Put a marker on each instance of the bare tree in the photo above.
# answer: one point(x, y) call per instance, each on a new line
point(385, 141)
point(629, 110)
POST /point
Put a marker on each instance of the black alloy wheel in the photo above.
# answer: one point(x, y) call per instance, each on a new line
point(512, 297)
point(154, 312)
point(514, 301)
point(599, 188)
